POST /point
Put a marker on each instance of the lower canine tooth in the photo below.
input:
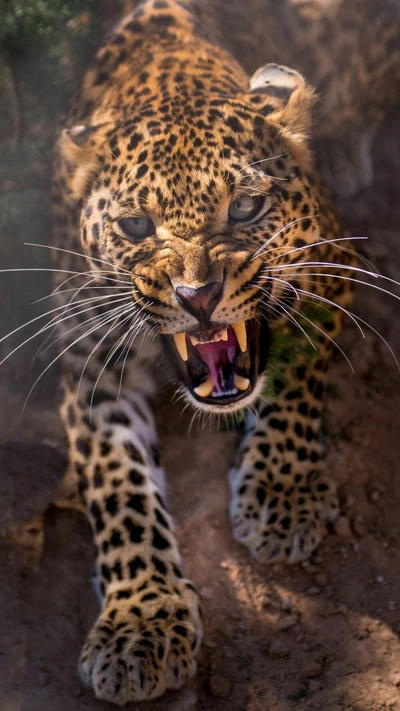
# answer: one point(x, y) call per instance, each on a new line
point(241, 335)
point(240, 382)
point(181, 345)
point(224, 335)
point(205, 389)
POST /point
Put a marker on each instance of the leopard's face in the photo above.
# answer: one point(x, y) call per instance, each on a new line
point(192, 217)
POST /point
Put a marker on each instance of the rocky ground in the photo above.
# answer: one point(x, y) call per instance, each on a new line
point(318, 636)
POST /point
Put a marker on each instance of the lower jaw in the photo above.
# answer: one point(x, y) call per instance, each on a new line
point(255, 360)
point(219, 406)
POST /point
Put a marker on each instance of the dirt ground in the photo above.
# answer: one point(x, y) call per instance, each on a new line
point(319, 636)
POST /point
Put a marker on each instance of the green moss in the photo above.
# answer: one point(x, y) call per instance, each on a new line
point(290, 346)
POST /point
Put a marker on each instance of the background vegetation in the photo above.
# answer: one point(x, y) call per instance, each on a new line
point(44, 47)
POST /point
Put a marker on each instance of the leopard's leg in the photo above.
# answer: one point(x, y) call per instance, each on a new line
point(282, 498)
point(148, 632)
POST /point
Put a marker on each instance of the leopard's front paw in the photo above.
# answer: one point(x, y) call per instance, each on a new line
point(141, 646)
point(281, 521)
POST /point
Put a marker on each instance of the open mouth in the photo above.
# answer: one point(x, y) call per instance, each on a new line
point(221, 365)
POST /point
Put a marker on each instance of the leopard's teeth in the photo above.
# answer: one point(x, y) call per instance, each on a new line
point(241, 383)
point(241, 334)
point(223, 336)
point(181, 345)
point(205, 389)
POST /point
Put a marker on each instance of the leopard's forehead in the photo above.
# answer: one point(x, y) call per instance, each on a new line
point(194, 163)
point(219, 129)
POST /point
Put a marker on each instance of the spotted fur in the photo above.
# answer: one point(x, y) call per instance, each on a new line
point(168, 124)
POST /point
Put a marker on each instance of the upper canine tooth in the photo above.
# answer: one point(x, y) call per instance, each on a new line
point(241, 383)
point(224, 335)
point(241, 335)
point(205, 389)
point(181, 345)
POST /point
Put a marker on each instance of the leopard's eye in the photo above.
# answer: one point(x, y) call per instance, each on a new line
point(137, 227)
point(245, 208)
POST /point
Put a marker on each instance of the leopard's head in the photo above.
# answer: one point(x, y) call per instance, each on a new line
point(200, 198)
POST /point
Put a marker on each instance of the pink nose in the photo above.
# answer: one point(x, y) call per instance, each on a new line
point(200, 302)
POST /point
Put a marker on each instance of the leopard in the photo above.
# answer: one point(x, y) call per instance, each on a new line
point(196, 244)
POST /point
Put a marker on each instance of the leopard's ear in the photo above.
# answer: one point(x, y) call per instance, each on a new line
point(284, 96)
point(78, 152)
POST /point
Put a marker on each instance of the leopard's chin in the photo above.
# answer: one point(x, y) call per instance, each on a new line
point(221, 367)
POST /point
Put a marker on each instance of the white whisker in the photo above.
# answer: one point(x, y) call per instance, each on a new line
point(39, 269)
point(356, 281)
point(49, 325)
point(262, 160)
point(92, 319)
point(293, 320)
point(129, 310)
point(285, 227)
point(126, 349)
point(308, 246)
point(89, 285)
point(101, 275)
point(48, 337)
point(328, 337)
point(110, 355)
point(77, 340)
point(355, 318)
point(286, 283)
point(332, 303)
point(77, 254)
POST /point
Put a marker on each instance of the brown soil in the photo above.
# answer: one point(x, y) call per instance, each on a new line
point(318, 636)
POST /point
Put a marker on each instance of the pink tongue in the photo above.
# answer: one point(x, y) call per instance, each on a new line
point(216, 355)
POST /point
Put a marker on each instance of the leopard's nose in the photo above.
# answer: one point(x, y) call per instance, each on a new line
point(200, 302)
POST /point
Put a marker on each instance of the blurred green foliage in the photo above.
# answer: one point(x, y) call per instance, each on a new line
point(24, 23)
point(45, 46)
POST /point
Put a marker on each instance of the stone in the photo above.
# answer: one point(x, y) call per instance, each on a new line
point(287, 603)
point(219, 686)
point(31, 473)
point(321, 580)
point(206, 593)
point(267, 601)
point(314, 668)
point(342, 527)
point(359, 527)
point(374, 496)
point(210, 644)
point(279, 648)
point(185, 699)
point(77, 691)
point(288, 621)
